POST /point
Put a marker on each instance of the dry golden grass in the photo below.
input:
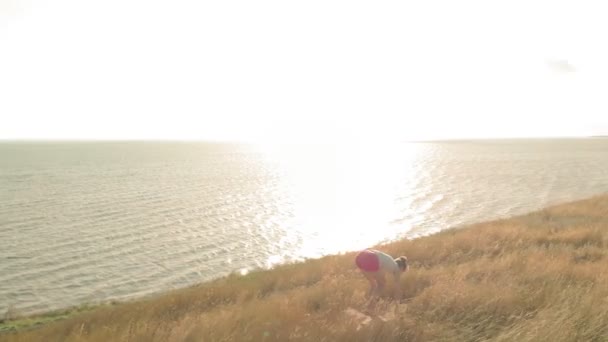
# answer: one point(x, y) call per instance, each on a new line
point(537, 277)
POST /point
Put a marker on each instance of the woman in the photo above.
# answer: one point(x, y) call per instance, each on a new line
point(375, 264)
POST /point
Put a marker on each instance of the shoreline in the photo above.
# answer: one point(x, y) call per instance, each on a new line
point(450, 189)
point(582, 223)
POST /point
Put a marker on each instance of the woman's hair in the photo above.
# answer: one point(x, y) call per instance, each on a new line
point(402, 262)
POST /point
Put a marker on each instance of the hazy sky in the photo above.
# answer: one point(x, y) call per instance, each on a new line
point(299, 69)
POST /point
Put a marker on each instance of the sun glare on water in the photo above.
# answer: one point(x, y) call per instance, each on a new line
point(342, 196)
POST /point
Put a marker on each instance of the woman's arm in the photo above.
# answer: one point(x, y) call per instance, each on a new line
point(397, 286)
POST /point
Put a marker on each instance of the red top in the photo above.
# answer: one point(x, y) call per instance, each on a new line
point(367, 261)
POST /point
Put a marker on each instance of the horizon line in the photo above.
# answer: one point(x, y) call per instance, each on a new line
point(245, 141)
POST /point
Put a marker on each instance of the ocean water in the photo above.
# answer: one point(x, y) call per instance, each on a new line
point(87, 222)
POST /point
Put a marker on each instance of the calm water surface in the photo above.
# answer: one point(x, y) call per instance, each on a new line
point(89, 222)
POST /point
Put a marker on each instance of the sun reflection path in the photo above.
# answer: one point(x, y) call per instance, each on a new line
point(344, 197)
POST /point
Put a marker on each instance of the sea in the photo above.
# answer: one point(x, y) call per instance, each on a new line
point(90, 222)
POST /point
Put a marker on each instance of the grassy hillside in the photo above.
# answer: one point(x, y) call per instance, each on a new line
point(537, 277)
